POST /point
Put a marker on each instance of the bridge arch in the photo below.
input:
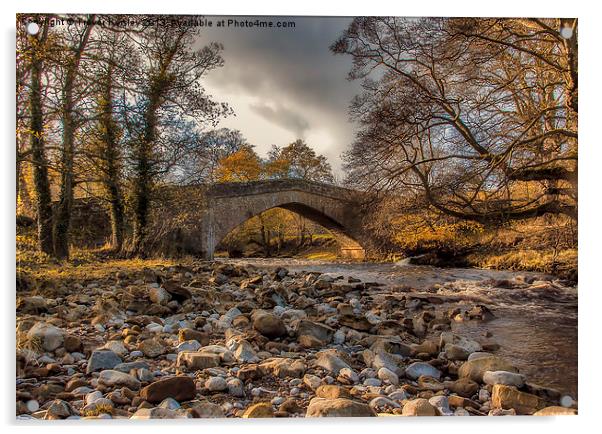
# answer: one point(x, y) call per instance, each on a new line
point(230, 205)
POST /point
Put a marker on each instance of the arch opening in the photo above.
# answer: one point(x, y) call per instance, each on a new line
point(347, 246)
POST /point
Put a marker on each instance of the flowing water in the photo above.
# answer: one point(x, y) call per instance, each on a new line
point(535, 324)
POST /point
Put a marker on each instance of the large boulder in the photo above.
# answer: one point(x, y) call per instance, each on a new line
point(180, 388)
point(508, 397)
point(474, 369)
point(338, 407)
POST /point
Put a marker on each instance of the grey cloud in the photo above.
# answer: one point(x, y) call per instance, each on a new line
point(289, 72)
point(283, 117)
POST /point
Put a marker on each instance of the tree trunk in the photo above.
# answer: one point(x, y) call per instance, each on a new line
point(111, 157)
point(142, 182)
point(40, 168)
point(265, 236)
point(63, 214)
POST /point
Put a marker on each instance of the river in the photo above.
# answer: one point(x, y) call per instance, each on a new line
point(535, 323)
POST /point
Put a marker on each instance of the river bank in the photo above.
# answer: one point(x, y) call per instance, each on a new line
point(289, 338)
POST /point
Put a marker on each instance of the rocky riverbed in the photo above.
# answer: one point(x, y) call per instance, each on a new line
point(231, 339)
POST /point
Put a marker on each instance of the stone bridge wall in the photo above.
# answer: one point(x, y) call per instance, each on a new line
point(335, 208)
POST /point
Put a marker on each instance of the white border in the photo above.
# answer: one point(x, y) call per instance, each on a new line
point(589, 222)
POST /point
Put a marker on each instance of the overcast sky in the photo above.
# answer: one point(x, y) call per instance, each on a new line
point(285, 84)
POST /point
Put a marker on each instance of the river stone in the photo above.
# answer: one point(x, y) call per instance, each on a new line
point(474, 369)
point(322, 333)
point(236, 387)
point(331, 362)
point(58, 409)
point(449, 338)
point(128, 366)
point(386, 360)
point(159, 295)
point(208, 410)
point(269, 325)
point(49, 336)
point(117, 347)
point(102, 359)
point(418, 407)
point(32, 305)
point(187, 334)
point(283, 368)
point(313, 381)
point(115, 378)
point(180, 388)
point(191, 345)
point(441, 403)
point(339, 407)
point(151, 347)
point(259, 410)
point(224, 353)
point(216, 384)
point(197, 360)
point(479, 355)
point(93, 396)
point(243, 351)
point(508, 397)
point(418, 369)
point(331, 391)
point(388, 375)
point(555, 411)
point(456, 352)
point(348, 376)
point(158, 413)
point(464, 387)
point(503, 377)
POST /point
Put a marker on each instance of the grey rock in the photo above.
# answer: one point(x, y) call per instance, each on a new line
point(102, 359)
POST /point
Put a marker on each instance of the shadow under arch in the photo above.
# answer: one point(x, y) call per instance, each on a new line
point(349, 247)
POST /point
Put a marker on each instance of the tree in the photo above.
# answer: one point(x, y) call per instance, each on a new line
point(35, 52)
point(243, 165)
point(104, 150)
point(77, 38)
point(298, 160)
point(205, 153)
point(477, 115)
point(168, 95)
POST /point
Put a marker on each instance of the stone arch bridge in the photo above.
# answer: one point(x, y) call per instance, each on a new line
point(228, 205)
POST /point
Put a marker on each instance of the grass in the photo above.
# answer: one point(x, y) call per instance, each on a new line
point(83, 264)
point(547, 261)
